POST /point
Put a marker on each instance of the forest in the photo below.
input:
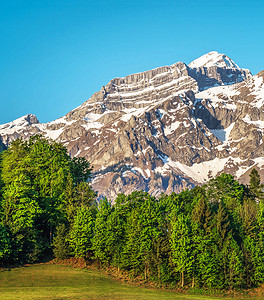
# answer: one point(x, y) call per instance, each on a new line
point(210, 236)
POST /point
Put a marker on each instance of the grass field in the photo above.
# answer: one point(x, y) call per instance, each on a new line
point(47, 281)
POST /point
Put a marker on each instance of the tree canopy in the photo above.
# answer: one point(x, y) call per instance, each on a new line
point(36, 176)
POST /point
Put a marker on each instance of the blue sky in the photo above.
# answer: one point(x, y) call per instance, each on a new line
point(55, 54)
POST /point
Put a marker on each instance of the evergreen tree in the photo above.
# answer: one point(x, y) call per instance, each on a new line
point(255, 185)
point(61, 245)
point(141, 231)
point(226, 189)
point(6, 251)
point(100, 239)
point(231, 264)
point(80, 169)
point(116, 235)
point(82, 232)
point(222, 226)
point(205, 248)
point(182, 246)
point(202, 215)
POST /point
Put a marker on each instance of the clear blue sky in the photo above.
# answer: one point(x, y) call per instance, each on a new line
point(55, 54)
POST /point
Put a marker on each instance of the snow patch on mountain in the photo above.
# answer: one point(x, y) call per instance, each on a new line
point(198, 172)
point(213, 93)
point(258, 91)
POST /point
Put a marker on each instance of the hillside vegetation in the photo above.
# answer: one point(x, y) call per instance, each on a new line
point(211, 236)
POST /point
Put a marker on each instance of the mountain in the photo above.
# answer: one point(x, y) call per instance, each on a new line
point(213, 69)
point(165, 129)
point(18, 128)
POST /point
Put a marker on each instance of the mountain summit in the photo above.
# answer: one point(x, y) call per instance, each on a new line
point(214, 58)
point(165, 129)
point(218, 67)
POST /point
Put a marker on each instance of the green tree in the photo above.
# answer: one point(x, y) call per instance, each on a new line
point(61, 245)
point(80, 169)
point(255, 185)
point(39, 181)
point(205, 249)
point(202, 215)
point(100, 239)
point(141, 232)
point(231, 265)
point(226, 189)
point(77, 195)
point(82, 232)
point(6, 251)
point(182, 246)
point(115, 231)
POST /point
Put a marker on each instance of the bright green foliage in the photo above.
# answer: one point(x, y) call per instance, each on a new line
point(100, 239)
point(248, 215)
point(37, 177)
point(109, 239)
point(255, 186)
point(228, 254)
point(82, 232)
point(162, 268)
point(141, 232)
point(61, 245)
point(257, 258)
point(223, 229)
point(230, 193)
point(202, 215)
point(182, 246)
point(20, 206)
point(115, 235)
point(80, 194)
point(253, 242)
point(225, 188)
point(218, 257)
point(206, 268)
point(5, 244)
point(84, 195)
point(80, 169)
point(207, 261)
point(20, 213)
point(235, 269)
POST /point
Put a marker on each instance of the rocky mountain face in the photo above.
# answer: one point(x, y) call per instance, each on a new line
point(165, 129)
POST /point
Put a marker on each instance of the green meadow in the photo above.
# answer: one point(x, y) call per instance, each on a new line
point(47, 281)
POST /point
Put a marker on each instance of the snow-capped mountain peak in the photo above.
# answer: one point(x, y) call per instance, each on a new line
point(22, 121)
point(214, 58)
point(19, 123)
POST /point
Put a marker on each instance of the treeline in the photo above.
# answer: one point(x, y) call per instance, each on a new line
point(210, 236)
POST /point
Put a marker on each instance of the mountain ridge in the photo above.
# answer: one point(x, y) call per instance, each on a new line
point(165, 129)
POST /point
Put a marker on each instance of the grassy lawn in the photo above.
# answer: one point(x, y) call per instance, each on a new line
point(49, 281)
